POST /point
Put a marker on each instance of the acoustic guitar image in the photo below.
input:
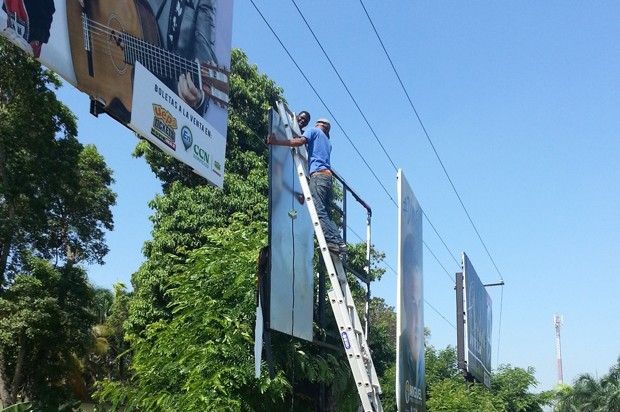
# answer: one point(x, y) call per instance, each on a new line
point(108, 37)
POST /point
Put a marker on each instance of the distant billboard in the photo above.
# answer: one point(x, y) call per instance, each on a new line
point(478, 312)
point(291, 287)
point(160, 67)
point(410, 386)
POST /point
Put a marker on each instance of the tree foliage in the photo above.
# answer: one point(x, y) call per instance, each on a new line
point(55, 198)
point(589, 394)
point(200, 358)
point(45, 329)
point(55, 204)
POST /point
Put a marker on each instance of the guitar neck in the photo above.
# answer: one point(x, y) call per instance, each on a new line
point(162, 63)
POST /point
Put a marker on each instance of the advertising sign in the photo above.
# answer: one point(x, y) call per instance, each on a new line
point(478, 325)
point(410, 386)
point(112, 50)
point(291, 238)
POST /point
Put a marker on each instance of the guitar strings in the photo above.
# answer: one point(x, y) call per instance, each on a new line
point(172, 60)
point(145, 53)
point(134, 49)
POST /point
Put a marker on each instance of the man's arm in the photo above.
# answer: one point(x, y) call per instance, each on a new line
point(271, 139)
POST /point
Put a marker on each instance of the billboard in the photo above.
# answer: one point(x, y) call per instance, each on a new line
point(478, 325)
point(290, 237)
point(160, 67)
point(410, 383)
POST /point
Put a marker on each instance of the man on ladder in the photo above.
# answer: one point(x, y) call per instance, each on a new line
point(321, 184)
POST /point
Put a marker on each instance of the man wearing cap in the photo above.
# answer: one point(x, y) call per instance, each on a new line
point(319, 168)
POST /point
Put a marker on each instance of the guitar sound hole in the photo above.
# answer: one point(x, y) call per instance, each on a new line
point(116, 45)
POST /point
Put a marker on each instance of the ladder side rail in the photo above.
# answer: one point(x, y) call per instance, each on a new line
point(340, 304)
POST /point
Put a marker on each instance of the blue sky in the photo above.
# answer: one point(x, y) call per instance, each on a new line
point(521, 101)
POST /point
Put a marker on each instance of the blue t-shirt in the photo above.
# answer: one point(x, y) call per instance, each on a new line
point(319, 149)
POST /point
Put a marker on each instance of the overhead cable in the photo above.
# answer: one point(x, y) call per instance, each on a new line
point(430, 141)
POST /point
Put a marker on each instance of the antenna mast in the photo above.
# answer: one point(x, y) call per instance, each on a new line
point(557, 321)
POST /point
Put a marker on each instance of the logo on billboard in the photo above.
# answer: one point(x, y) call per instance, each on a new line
point(186, 137)
point(164, 126)
point(202, 155)
point(217, 168)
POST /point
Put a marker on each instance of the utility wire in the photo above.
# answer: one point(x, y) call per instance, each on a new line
point(417, 115)
point(349, 139)
point(428, 303)
point(427, 248)
point(344, 84)
point(359, 109)
point(440, 238)
point(321, 100)
point(430, 141)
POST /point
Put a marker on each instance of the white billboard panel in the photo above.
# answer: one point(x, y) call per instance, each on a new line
point(168, 122)
point(410, 382)
point(291, 240)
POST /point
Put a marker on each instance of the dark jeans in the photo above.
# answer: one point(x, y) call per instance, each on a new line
point(321, 190)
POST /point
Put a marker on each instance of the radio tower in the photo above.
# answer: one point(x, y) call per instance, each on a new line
point(557, 321)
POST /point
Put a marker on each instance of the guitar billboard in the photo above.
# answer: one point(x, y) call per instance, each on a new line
point(160, 67)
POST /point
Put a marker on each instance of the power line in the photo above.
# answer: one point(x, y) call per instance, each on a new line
point(417, 115)
point(321, 100)
point(349, 139)
point(342, 129)
point(437, 260)
point(359, 109)
point(344, 84)
point(430, 141)
point(428, 303)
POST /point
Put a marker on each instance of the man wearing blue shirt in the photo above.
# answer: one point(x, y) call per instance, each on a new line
point(319, 168)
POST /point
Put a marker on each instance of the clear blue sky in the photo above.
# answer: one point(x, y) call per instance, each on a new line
point(521, 101)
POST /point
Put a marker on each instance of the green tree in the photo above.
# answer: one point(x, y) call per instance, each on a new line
point(513, 385)
point(55, 201)
point(189, 207)
point(45, 328)
point(54, 193)
point(589, 394)
point(456, 395)
point(199, 358)
point(108, 357)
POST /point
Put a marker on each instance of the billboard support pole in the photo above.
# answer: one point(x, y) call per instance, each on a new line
point(460, 324)
point(367, 311)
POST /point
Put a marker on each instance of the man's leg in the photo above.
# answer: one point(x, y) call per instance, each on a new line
point(321, 190)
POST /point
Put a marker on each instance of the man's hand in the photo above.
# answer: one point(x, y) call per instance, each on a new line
point(188, 91)
point(271, 138)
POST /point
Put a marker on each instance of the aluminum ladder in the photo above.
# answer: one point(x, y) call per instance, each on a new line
point(349, 325)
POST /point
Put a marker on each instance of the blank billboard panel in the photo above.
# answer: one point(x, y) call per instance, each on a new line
point(478, 325)
point(291, 239)
point(410, 386)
